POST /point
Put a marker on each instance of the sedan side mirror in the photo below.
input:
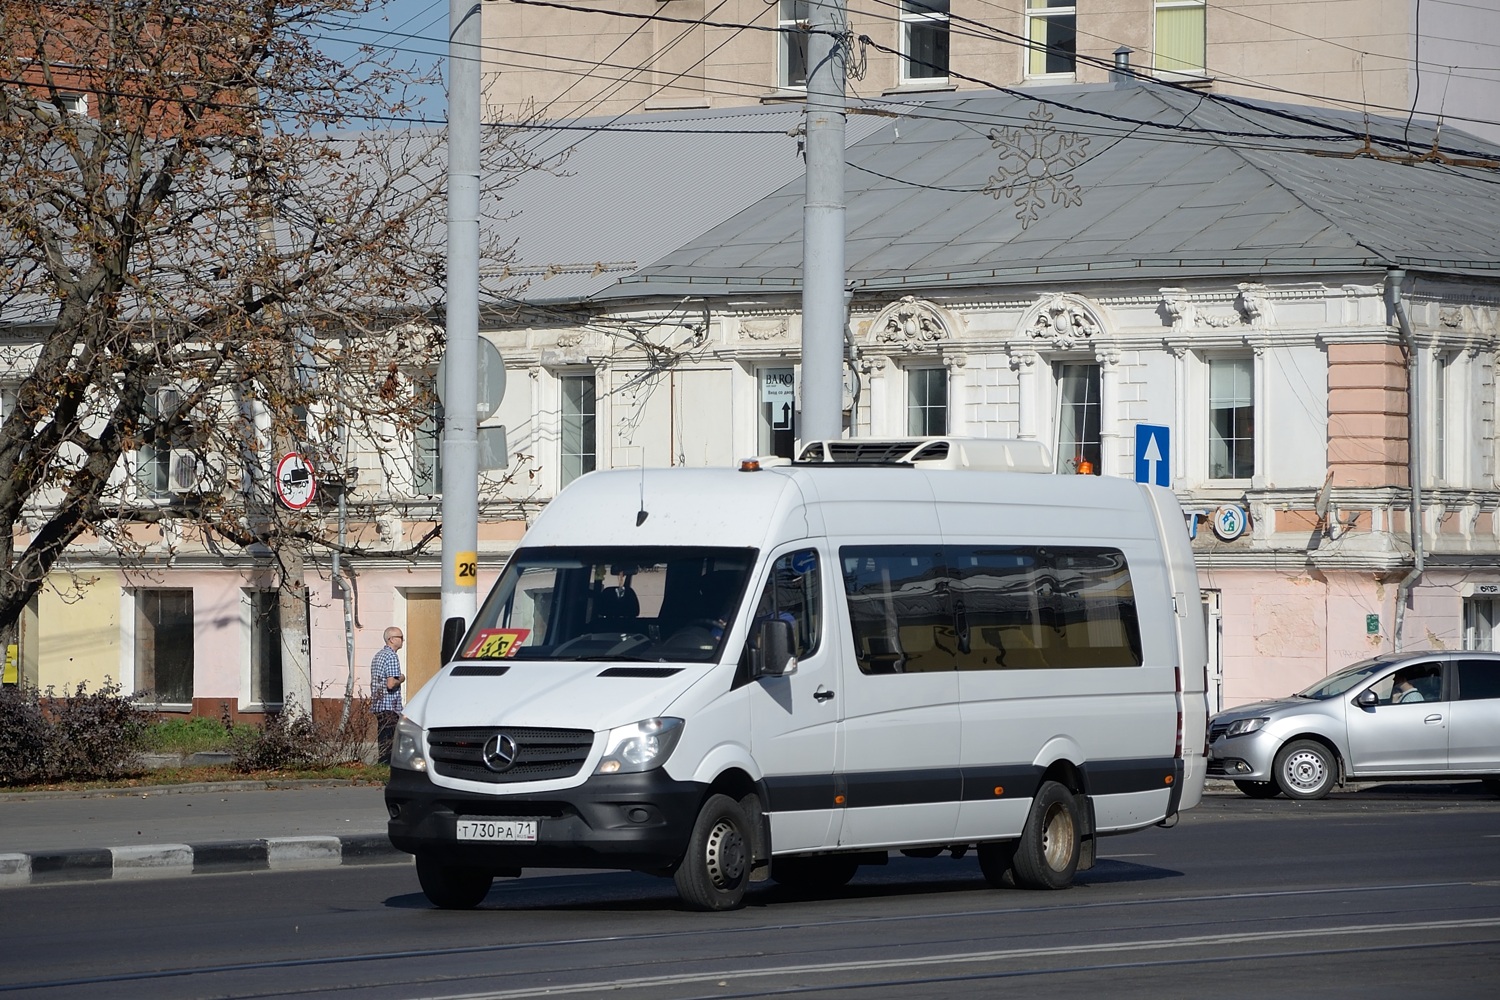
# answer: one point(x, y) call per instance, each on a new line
point(1367, 699)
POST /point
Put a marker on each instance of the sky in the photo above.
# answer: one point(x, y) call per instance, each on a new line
point(412, 32)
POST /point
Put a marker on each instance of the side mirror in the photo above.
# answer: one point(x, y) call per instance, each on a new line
point(1367, 699)
point(453, 634)
point(772, 652)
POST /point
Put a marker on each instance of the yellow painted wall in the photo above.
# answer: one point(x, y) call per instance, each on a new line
point(78, 634)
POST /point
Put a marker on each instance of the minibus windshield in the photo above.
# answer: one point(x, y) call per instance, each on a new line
point(632, 603)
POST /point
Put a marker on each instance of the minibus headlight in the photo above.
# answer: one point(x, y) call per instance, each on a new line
point(639, 747)
point(1239, 727)
point(406, 750)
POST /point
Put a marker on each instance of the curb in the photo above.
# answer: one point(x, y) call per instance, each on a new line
point(176, 860)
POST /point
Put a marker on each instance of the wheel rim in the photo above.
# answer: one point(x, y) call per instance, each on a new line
point(725, 856)
point(1057, 837)
point(1306, 770)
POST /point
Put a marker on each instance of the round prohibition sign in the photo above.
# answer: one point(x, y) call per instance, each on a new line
point(295, 482)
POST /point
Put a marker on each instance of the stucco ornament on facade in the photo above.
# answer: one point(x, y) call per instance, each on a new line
point(911, 324)
point(774, 329)
point(1062, 321)
point(1252, 308)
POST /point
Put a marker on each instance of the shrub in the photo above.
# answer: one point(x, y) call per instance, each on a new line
point(25, 736)
point(79, 736)
point(291, 740)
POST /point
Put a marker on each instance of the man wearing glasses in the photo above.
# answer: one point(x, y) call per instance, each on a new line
point(385, 692)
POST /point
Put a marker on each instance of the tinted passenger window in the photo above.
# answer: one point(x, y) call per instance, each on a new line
point(897, 607)
point(1031, 607)
point(990, 608)
point(1478, 679)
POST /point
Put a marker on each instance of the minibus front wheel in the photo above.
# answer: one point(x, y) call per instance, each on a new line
point(716, 868)
point(452, 887)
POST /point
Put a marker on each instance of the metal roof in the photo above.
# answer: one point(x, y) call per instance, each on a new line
point(1131, 181)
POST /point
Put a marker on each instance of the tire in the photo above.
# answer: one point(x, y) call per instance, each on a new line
point(1047, 853)
point(1305, 769)
point(819, 873)
point(451, 887)
point(995, 861)
point(1492, 785)
point(716, 868)
point(1259, 789)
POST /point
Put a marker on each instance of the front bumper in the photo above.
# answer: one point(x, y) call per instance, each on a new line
point(1251, 757)
point(636, 821)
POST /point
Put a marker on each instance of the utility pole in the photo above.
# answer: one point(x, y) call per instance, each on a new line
point(460, 426)
point(823, 317)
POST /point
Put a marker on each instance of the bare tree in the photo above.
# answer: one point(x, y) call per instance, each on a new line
point(198, 270)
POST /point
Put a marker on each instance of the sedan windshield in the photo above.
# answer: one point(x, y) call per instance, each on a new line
point(621, 603)
point(1351, 676)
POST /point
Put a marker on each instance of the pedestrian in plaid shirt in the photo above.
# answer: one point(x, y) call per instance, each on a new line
point(385, 691)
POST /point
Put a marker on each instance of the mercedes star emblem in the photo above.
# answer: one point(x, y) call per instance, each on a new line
point(499, 752)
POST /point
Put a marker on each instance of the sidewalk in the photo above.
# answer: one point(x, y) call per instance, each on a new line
point(174, 831)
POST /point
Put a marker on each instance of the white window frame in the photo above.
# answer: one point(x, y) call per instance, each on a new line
point(427, 449)
point(918, 16)
point(1171, 65)
point(251, 701)
point(1064, 463)
point(1256, 424)
point(1479, 621)
point(587, 460)
point(791, 39)
point(1038, 19)
point(920, 378)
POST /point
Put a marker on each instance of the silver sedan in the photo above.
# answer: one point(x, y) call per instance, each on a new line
point(1406, 716)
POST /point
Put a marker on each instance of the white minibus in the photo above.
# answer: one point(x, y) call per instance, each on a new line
point(792, 669)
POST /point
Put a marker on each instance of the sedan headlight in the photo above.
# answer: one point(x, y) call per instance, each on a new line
point(1239, 727)
point(639, 747)
point(406, 749)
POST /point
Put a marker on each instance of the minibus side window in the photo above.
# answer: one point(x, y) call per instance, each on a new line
point(1043, 607)
point(898, 608)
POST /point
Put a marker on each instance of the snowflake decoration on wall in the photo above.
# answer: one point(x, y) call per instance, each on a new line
point(1035, 161)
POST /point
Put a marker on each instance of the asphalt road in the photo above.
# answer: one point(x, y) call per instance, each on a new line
point(1388, 893)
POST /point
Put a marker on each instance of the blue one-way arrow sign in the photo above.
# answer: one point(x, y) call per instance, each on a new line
point(1153, 454)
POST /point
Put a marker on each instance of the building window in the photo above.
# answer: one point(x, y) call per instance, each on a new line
point(427, 452)
point(924, 40)
point(166, 461)
point(1444, 412)
point(793, 56)
point(1180, 37)
point(1078, 413)
point(1231, 418)
point(578, 404)
point(927, 401)
point(1479, 622)
point(778, 412)
point(265, 646)
point(1052, 37)
point(164, 645)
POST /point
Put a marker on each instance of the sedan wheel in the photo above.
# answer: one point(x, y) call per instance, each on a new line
point(1305, 769)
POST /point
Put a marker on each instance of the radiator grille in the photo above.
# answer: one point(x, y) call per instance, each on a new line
point(541, 754)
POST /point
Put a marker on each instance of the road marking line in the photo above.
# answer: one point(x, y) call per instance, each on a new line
point(971, 958)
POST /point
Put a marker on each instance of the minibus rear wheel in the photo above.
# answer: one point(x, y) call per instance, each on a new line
point(1047, 853)
point(716, 868)
point(452, 887)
